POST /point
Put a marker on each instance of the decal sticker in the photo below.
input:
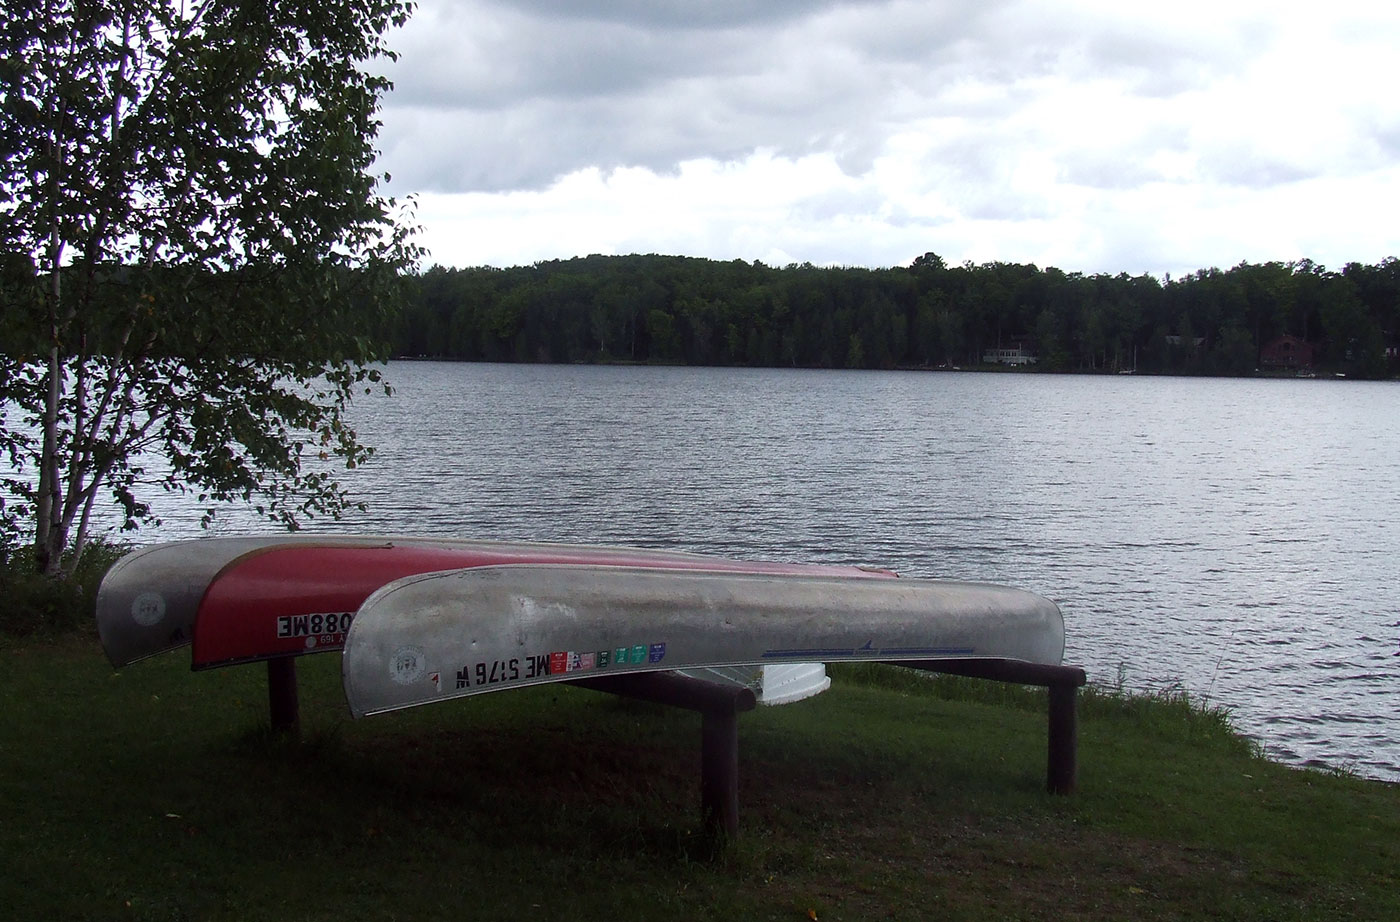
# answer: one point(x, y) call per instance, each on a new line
point(639, 654)
point(603, 656)
point(587, 660)
point(406, 665)
point(558, 663)
point(148, 608)
point(620, 656)
point(436, 679)
point(657, 652)
point(575, 662)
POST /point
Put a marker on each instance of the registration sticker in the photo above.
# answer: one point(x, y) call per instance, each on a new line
point(314, 625)
point(496, 671)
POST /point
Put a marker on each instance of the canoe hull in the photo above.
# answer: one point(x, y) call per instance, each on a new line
point(440, 636)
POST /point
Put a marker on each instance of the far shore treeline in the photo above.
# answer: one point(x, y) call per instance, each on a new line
point(1285, 318)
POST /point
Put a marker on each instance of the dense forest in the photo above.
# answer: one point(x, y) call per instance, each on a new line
point(680, 310)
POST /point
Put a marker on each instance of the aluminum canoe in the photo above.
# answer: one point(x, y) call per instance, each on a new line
point(248, 599)
point(435, 637)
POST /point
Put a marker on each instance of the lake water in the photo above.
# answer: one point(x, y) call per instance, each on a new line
point(1236, 538)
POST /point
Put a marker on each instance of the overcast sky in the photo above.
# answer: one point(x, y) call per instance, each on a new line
point(1092, 135)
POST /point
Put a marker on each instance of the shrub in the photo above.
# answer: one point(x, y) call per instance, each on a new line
point(31, 603)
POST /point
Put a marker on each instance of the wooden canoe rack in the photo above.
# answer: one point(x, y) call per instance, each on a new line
point(720, 705)
point(1062, 683)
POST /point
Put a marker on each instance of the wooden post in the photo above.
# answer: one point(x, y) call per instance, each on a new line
point(282, 695)
point(719, 706)
point(719, 772)
point(1062, 763)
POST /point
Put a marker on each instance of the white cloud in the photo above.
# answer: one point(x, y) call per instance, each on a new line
point(1092, 135)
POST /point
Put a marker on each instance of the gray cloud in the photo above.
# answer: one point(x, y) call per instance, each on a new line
point(457, 65)
point(678, 14)
point(511, 94)
point(1386, 138)
point(1253, 169)
point(1158, 64)
point(1109, 170)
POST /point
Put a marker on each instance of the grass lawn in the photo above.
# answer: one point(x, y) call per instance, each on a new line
point(155, 793)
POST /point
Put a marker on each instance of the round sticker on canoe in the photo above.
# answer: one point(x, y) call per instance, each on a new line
point(407, 665)
point(147, 609)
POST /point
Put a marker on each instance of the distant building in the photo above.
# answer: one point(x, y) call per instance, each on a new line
point(1174, 340)
point(1015, 353)
point(1287, 352)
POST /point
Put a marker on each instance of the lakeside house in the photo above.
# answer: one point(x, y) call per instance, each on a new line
point(1018, 352)
point(1287, 352)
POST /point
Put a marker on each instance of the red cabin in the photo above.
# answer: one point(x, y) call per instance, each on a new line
point(1287, 352)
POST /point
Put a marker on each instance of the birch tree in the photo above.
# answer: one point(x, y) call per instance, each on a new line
point(195, 252)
